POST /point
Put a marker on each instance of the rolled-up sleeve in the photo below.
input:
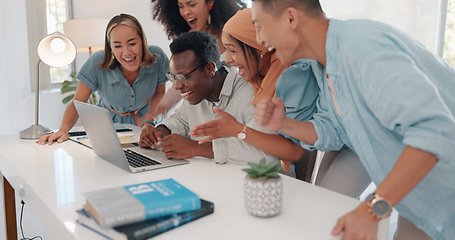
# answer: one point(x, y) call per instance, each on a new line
point(298, 89)
point(178, 122)
point(89, 73)
point(329, 136)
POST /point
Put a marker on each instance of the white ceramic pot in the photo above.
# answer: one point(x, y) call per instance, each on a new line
point(263, 198)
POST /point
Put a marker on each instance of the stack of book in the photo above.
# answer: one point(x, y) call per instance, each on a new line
point(141, 211)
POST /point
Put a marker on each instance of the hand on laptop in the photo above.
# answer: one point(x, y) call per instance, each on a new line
point(150, 137)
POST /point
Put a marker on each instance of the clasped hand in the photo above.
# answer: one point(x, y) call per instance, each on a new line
point(150, 137)
point(172, 145)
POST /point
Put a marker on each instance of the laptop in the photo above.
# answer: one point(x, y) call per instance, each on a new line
point(105, 142)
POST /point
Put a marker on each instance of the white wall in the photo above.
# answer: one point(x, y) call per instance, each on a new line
point(107, 9)
point(17, 101)
point(417, 18)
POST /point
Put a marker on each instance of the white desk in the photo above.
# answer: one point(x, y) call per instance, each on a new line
point(51, 180)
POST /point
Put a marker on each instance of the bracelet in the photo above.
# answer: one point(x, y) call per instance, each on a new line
point(149, 121)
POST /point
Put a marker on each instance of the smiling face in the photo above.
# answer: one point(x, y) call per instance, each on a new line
point(126, 45)
point(275, 32)
point(195, 13)
point(235, 56)
point(199, 85)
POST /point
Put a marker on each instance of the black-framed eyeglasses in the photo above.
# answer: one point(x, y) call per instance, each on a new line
point(183, 79)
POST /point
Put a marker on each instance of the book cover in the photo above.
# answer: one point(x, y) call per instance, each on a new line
point(145, 229)
point(135, 203)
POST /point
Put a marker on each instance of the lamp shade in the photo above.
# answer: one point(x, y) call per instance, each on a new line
point(86, 32)
point(56, 50)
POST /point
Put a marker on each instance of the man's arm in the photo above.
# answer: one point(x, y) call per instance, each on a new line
point(270, 114)
point(177, 146)
point(227, 126)
point(412, 166)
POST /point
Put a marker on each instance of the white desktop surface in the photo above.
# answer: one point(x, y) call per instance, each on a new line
point(51, 180)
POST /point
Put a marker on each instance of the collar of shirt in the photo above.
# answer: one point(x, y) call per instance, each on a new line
point(228, 87)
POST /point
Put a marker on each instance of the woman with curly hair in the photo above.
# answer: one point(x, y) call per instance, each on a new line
point(180, 16)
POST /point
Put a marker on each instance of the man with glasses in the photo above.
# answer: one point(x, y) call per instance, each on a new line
point(196, 71)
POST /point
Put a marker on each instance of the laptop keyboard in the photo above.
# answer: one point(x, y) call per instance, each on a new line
point(137, 160)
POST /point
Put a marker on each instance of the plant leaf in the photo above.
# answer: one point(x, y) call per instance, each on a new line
point(254, 165)
point(73, 75)
point(68, 99)
point(262, 163)
point(271, 175)
point(272, 166)
point(64, 90)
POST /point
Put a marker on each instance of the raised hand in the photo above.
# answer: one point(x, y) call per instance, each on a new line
point(269, 113)
point(225, 126)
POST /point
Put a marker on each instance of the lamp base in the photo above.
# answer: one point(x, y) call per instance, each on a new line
point(34, 132)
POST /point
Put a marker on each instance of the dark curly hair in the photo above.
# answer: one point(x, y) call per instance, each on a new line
point(167, 13)
point(204, 45)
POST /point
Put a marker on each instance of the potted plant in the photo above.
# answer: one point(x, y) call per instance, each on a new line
point(263, 189)
point(69, 86)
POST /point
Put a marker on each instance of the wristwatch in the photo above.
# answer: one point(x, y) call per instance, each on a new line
point(379, 207)
point(242, 134)
point(148, 121)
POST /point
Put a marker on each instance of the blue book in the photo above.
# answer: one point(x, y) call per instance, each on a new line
point(139, 202)
point(146, 229)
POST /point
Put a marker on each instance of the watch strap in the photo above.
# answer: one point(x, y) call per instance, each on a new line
point(149, 121)
point(242, 134)
point(373, 199)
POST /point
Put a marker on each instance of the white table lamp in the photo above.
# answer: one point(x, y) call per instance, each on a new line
point(55, 50)
point(86, 33)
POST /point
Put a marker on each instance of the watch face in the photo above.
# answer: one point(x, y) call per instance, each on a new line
point(381, 208)
point(241, 135)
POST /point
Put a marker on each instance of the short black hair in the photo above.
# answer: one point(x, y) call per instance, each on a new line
point(276, 7)
point(204, 45)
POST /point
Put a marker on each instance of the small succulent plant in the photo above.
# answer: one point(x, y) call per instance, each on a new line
point(263, 170)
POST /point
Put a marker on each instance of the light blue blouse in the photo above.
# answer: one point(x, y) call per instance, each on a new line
point(298, 89)
point(392, 92)
point(115, 91)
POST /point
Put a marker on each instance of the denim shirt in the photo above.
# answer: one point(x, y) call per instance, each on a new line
point(392, 93)
point(115, 91)
point(298, 89)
